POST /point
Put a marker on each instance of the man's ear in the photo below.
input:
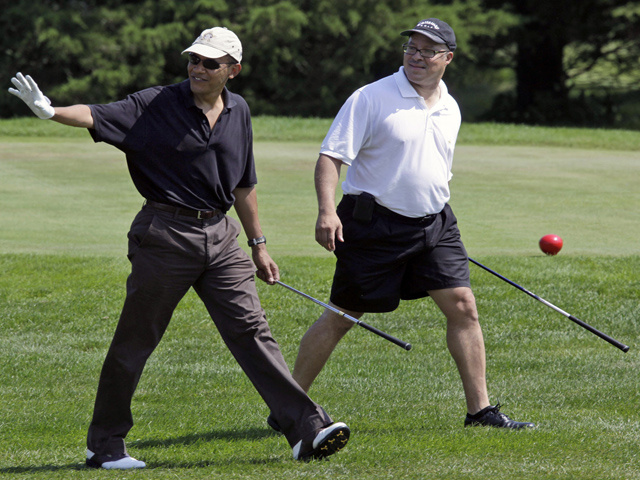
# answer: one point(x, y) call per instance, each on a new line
point(449, 57)
point(235, 70)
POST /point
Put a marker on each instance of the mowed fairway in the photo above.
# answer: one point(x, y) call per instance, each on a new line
point(74, 196)
point(66, 207)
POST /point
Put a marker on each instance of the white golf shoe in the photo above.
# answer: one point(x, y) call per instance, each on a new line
point(327, 441)
point(107, 462)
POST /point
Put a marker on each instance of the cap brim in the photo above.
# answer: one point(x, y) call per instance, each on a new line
point(205, 51)
point(435, 38)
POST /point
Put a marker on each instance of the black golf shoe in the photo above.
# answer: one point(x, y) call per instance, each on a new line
point(493, 417)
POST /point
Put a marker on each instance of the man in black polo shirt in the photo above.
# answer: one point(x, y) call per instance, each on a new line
point(189, 148)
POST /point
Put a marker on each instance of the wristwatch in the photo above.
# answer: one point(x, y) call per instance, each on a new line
point(257, 241)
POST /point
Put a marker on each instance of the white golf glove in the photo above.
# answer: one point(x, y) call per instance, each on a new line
point(29, 93)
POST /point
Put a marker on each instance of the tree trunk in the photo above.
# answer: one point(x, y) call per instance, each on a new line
point(541, 89)
point(539, 70)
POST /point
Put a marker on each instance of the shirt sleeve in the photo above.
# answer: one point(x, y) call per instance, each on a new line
point(249, 177)
point(114, 122)
point(349, 131)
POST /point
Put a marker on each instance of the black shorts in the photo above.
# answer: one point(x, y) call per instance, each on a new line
point(395, 258)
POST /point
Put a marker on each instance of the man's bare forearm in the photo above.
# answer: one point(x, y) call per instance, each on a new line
point(74, 116)
point(327, 175)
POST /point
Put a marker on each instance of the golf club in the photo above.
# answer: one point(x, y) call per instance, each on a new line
point(584, 325)
point(405, 345)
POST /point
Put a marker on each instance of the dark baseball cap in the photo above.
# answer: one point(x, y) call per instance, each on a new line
point(436, 30)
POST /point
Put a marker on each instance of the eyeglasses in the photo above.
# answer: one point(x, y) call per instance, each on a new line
point(208, 63)
point(424, 53)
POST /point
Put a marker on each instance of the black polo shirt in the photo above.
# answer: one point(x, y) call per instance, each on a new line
point(174, 157)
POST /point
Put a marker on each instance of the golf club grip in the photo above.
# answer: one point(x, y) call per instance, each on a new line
point(604, 336)
point(392, 339)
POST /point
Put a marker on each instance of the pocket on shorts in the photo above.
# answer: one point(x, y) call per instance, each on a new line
point(356, 232)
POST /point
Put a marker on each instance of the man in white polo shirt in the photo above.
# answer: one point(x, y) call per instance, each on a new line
point(394, 235)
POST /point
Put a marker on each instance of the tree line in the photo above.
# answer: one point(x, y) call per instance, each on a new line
point(531, 61)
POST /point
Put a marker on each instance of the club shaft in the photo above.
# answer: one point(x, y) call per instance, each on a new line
point(584, 325)
point(392, 339)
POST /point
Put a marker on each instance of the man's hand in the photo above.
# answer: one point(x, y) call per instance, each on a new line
point(267, 270)
point(29, 93)
point(328, 230)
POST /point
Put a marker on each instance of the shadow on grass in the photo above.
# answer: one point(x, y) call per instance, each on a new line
point(42, 468)
point(185, 440)
point(247, 434)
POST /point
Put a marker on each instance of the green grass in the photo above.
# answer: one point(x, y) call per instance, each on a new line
point(66, 208)
point(198, 417)
point(71, 195)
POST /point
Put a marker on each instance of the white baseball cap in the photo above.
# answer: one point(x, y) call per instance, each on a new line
point(217, 42)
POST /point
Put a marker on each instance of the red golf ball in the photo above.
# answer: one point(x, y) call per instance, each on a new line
point(551, 244)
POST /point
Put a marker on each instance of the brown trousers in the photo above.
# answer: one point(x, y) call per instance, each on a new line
point(170, 254)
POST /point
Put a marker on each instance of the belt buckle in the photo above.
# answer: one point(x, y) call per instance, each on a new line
point(199, 216)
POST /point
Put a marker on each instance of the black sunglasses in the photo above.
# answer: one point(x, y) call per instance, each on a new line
point(209, 63)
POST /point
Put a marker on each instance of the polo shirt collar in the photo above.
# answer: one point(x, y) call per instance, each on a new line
point(187, 97)
point(407, 90)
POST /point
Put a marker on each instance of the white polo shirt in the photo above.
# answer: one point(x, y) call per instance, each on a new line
point(396, 148)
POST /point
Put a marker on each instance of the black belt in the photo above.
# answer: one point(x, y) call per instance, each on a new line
point(187, 212)
point(396, 216)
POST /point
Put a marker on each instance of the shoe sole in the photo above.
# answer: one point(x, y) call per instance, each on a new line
point(507, 426)
point(332, 443)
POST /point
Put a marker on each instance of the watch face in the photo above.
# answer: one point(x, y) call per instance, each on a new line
point(256, 241)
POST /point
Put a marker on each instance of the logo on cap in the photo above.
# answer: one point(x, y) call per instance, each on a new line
point(428, 24)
